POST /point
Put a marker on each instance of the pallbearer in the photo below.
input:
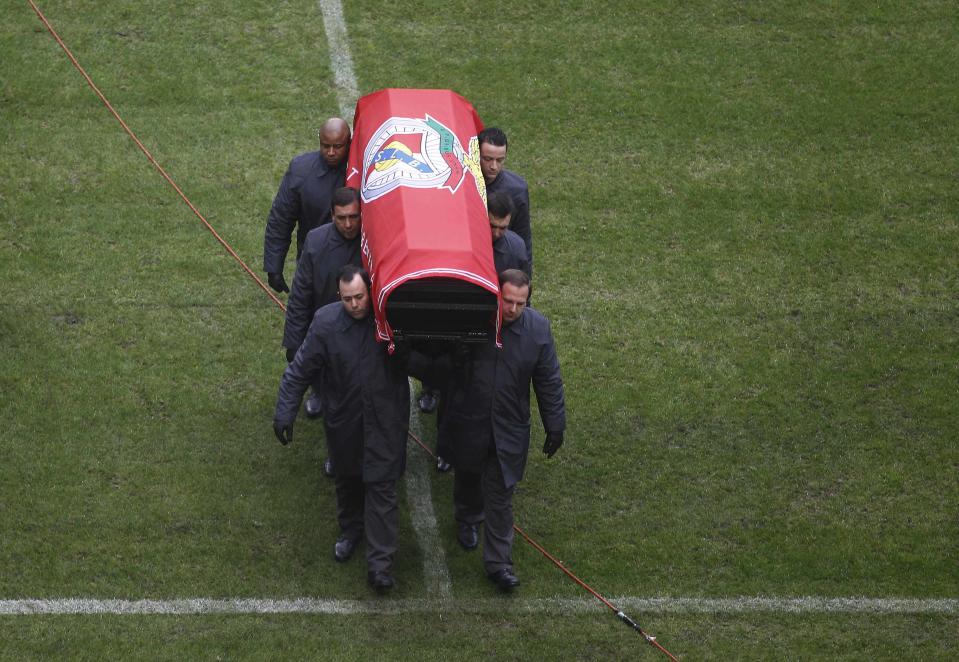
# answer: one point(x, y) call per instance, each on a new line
point(486, 421)
point(366, 393)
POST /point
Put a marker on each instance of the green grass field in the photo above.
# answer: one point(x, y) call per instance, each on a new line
point(746, 238)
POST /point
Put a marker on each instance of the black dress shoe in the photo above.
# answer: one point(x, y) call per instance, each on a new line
point(442, 465)
point(466, 534)
point(328, 468)
point(314, 406)
point(381, 581)
point(428, 402)
point(504, 579)
point(343, 549)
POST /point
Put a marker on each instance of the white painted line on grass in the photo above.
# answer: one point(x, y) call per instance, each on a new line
point(499, 605)
point(419, 496)
point(340, 60)
point(418, 489)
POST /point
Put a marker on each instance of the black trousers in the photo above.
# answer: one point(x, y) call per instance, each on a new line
point(484, 498)
point(371, 509)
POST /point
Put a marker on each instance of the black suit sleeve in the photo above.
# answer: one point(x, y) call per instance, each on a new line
point(303, 371)
point(280, 223)
point(301, 305)
point(520, 223)
point(548, 385)
point(522, 261)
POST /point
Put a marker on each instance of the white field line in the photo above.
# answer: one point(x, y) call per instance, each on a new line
point(340, 60)
point(418, 489)
point(511, 605)
point(419, 496)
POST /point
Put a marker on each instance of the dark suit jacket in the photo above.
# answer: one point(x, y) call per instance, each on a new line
point(487, 395)
point(304, 201)
point(515, 186)
point(366, 395)
point(509, 252)
point(315, 284)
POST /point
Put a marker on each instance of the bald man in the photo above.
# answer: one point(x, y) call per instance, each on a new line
point(305, 197)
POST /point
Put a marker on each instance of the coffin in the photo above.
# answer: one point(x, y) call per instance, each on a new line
point(425, 236)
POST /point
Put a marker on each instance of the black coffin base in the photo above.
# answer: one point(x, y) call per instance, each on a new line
point(440, 309)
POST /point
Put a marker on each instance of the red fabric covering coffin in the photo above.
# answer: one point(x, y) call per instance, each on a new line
point(415, 159)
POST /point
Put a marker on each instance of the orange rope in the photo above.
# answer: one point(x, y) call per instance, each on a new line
point(619, 613)
point(149, 156)
point(649, 638)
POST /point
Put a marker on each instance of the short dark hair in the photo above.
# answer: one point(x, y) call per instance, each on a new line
point(349, 271)
point(499, 204)
point(515, 277)
point(345, 195)
point(492, 135)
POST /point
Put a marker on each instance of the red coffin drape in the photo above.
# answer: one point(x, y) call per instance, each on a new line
point(415, 160)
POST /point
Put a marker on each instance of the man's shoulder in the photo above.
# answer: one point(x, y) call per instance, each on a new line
point(514, 241)
point(536, 323)
point(538, 317)
point(329, 315)
point(320, 236)
point(514, 178)
point(509, 181)
point(510, 244)
point(307, 162)
point(532, 324)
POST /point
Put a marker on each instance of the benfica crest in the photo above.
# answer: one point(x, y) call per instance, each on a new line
point(420, 153)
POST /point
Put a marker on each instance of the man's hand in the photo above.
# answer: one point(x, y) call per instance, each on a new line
point(283, 432)
point(553, 441)
point(290, 355)
point(277, 282)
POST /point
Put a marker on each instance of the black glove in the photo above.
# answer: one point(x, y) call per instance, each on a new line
point(553, 441)
point(290, 355)
point(283, 432)
point(277, 282)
